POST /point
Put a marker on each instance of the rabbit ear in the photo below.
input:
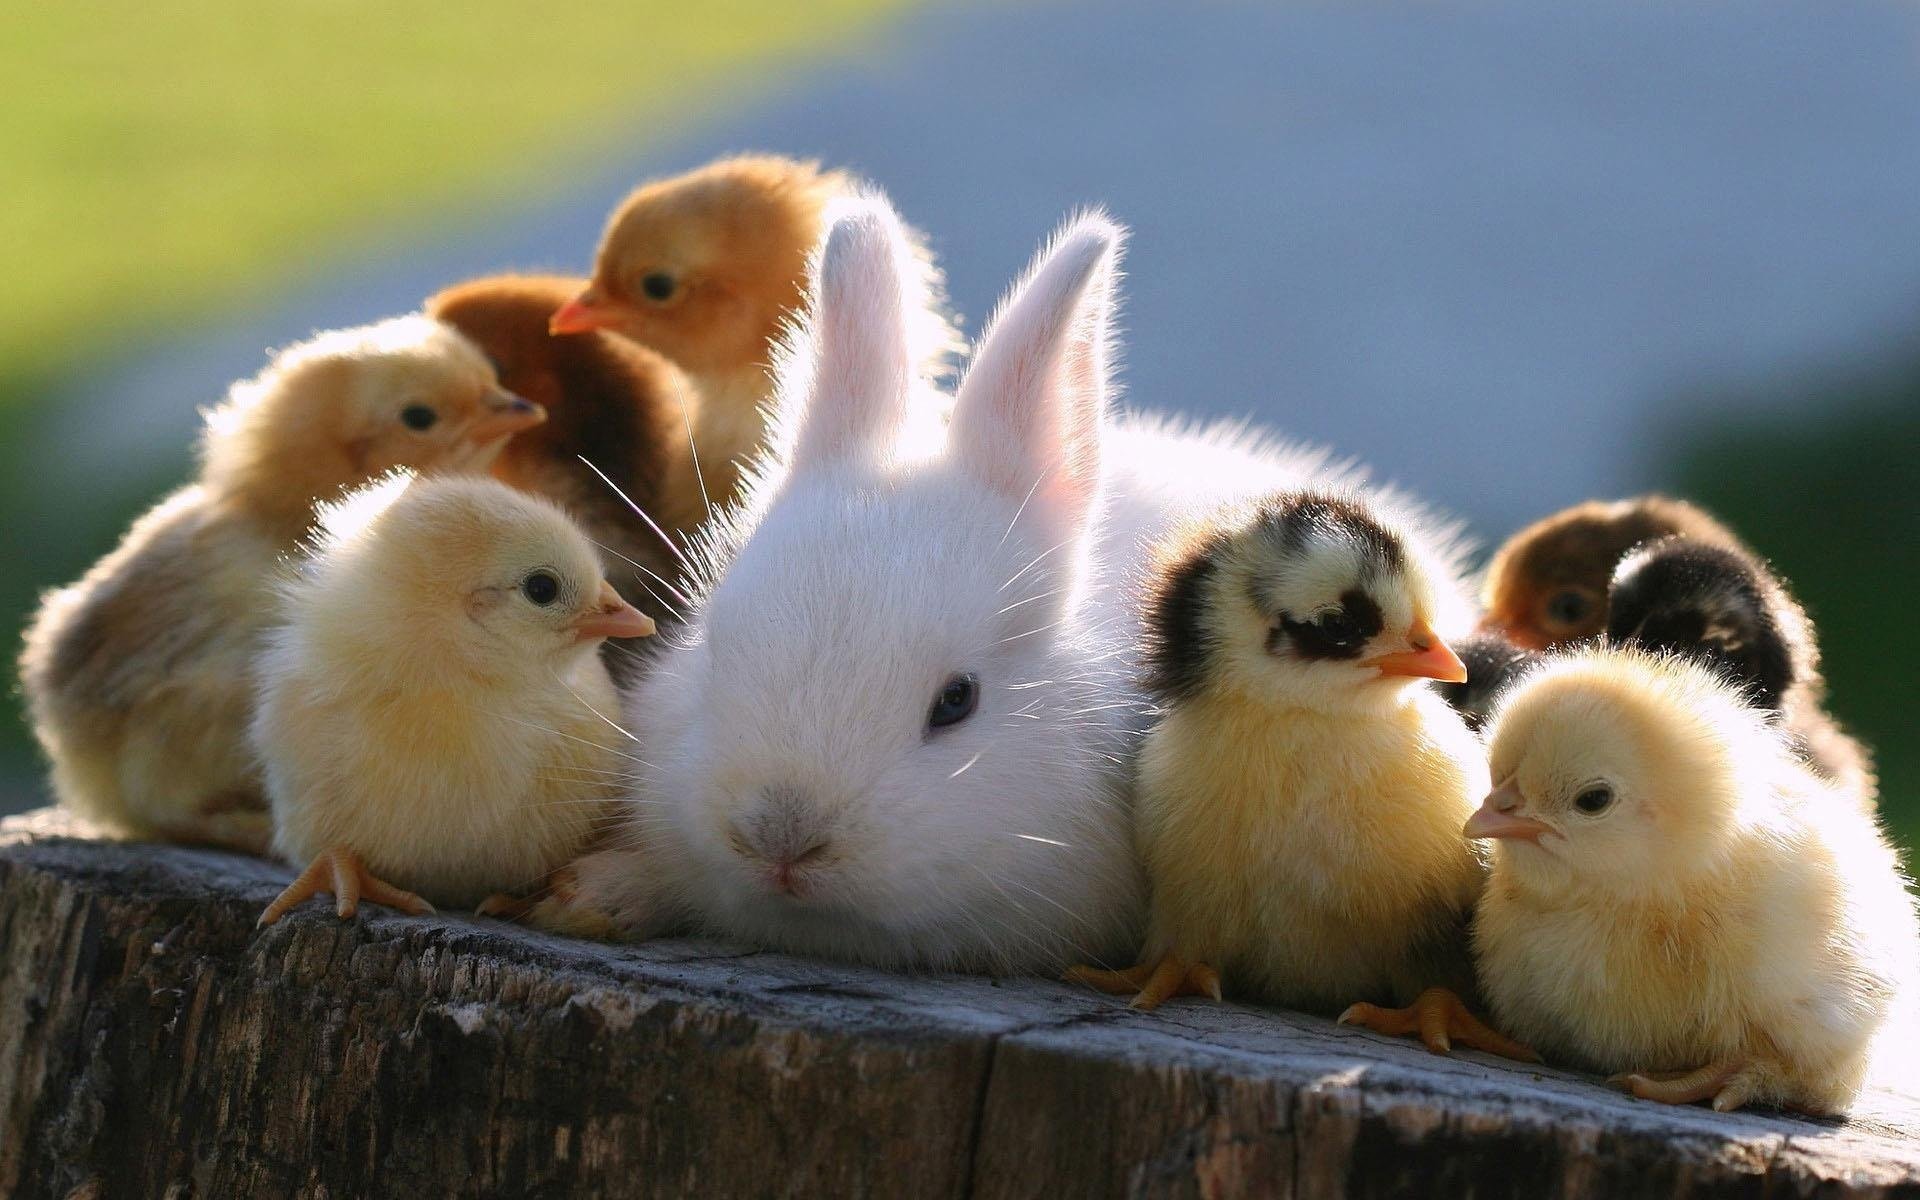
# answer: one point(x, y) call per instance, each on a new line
point(1028, 415)
point(857, 338)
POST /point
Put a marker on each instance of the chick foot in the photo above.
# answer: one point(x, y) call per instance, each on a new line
point(342, 873)
point(1729, 1085)
point(1153, 983)
point(561, 907)
point(1439, 1018)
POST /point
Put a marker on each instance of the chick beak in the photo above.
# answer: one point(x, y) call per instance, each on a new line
point(1427, 658)
point(612, 617)
point(506, 415)
point(1496, 817)
point(583, 314)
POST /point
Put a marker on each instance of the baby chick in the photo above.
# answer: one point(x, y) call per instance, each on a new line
point(1548, 584)
point(434, 718)
point(621, 407)
point(136, 676)
point(1674, 895)
point(1721, 605)
point(1300, 802)
point(705, 268)
point(1492, 663)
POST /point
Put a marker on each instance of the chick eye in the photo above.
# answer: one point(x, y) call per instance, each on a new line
point(1594, 801)
point(541, 588)
point(658, 286)
point(955, 703)
point(1340, 629)
point(418, 417)
point(1569, 608)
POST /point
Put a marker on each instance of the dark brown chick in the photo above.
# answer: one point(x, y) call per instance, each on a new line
point(1722, 606)
point(621, 407)
point(1547, 585)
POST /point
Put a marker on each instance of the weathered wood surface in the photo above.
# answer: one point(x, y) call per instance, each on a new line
point(153, 1044)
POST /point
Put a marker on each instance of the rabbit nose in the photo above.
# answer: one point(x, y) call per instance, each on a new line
point(785, 832)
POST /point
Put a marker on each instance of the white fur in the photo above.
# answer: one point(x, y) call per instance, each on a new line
point(856, 578)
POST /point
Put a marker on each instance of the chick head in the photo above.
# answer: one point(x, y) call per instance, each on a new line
point(704, 267)
point(480, 571)
point(1620, 770)
point(1306, 599)
point(350, 404)
point(592, 385)
point(1716, 604)
point(1548, 584)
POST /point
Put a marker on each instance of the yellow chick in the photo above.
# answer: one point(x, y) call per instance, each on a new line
point(434, 718)
point(1299, 803)
point(1675, 896)
point(136, 676)
point(706, 268)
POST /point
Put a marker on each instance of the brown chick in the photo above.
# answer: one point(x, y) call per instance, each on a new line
point(1548, 584)
point(136, 676)
point(705, 268)
point(619, 406)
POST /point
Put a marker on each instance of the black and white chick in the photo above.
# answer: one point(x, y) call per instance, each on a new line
point(1299, 804)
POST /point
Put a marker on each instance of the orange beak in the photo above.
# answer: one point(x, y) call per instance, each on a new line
point(1496, 818)
point(1429, 658)
point(612, 617)
point(583, 314)
point(507, 414)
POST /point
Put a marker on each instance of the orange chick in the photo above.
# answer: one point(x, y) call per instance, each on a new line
point(621, 407)
point(705, 268)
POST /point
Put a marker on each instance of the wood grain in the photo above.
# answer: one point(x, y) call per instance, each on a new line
point(154, 1044)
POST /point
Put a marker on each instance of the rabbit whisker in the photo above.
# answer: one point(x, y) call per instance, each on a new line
point(638, 511)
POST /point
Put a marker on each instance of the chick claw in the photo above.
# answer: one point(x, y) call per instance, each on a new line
point(1153, 983)
point(505, 906)
point(349, 880)
point(1440, 1018)
point(1727, 1083)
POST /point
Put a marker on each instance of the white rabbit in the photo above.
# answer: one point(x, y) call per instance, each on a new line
point(898, 725)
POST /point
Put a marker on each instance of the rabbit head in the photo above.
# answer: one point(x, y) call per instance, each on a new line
point(894, 728)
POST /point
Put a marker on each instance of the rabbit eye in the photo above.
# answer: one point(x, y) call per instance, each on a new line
point(1595, 800)
point(418, 417)
point(541, 588)
point(658, 285)
point(955, 703)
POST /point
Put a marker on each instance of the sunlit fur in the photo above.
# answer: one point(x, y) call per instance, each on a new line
point(1722, 907)
point(419, 710)
point(1575, 550)
point(735, 235)
point(135, 676)
point(856, 580)
point(622, 407)
point(1300, 820)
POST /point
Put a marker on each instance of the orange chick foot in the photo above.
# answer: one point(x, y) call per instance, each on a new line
point(342, 873)
point(1153, 983)
point(505, 906)
point(1439, 1018)
point(1728, 1084)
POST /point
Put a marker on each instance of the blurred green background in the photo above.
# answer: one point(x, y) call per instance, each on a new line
point(173, 169)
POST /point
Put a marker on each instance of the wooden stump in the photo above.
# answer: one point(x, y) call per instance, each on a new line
point(154, 1044)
